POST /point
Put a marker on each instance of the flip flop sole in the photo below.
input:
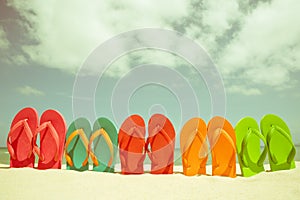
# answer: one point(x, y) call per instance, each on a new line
point(101, 148)
point(278, 145)
point(76, 148)
point(252, 150)
point(21, 146)
point(47, 142)
point(194, 156)
point(223, 150)
point(162, 150)
point(131, 139)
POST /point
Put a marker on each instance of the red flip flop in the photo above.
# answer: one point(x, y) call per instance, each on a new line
point(162, 142)
point(20, 138)
point(52, 131)
point(131, 141)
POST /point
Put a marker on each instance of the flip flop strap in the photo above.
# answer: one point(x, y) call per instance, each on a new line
point(198, 135)
point(104, 134)
point(28, 132)
point(155, 131)
point(287, 137)
point(201, 138)
point(85, 141)
point(54, 134)
point(245, 141)
point(229, 139)
point(130, 131)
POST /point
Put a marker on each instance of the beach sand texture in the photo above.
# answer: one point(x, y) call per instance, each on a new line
point(65, 184)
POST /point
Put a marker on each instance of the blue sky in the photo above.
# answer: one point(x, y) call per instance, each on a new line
point(255, 46)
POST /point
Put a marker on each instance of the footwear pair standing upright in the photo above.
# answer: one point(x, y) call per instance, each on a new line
point(276, 138)
point(159, 145)
point(23, 134)
point(99, 144)
point(194, 148)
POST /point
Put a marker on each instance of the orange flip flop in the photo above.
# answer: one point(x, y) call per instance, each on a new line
point(193, 146)
point(222, 141)
point(131, 139)
point(162, 142)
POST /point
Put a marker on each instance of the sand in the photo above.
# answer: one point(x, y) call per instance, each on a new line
point(65, 184)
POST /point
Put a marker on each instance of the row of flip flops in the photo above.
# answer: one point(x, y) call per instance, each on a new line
point(244, 141)
point(101, 142)
point(81, 143)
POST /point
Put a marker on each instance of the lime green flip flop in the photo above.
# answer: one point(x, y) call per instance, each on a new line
point(248, 138)
point(76, 147)
point(103, 145)
point(281, 149)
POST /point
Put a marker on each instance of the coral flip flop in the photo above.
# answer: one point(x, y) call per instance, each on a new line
point(52, 130)
point(161, 140)
point(131, 141)
point(104, 141)
point(248, 139)
point(20, 138)
point(77, 142)
point(281, 149)
point(193, 146)
point(221, 137)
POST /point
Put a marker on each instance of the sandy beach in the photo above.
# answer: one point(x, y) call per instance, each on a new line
point(64, 184)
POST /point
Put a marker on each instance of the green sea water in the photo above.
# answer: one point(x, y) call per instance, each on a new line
point(4, 157)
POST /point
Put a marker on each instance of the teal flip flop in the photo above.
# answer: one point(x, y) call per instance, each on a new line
point(103, 145)
point(76, 148)
point(281, 149)
point(248, 138)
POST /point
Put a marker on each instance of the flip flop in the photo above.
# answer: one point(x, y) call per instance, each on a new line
point(221, 137)
point(281, 149)
point(77, 142)
point(105, 144)
point(248, 139)
point(20, 138)
point(131, 141)
point(52, 131)
point(162, 142)
point(193, 146)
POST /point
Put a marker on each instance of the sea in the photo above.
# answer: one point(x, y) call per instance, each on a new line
point(4, 157)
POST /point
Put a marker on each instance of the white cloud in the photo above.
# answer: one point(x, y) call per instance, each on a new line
point(218, 17)
point(266, 50)
point(209, 21)
point(219, 14)
point(4, 43)
point(30, 91)
point(68, 31)
point(256, 42)
point(127, 62)
point(240, 89)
